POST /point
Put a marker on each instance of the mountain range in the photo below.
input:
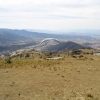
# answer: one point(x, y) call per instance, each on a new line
point(31, 34)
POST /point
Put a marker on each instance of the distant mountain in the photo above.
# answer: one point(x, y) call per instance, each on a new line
point(11, 41)
point(72, 32)
point(65, 46)
point(6, 37)
point(87, 32)
point(31, 34)
point(52, 45)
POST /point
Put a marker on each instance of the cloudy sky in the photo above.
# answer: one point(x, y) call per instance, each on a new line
point(50, 14)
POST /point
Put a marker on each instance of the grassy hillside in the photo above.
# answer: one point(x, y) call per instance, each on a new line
point(30, 76)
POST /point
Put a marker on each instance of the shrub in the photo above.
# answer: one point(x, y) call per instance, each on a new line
point(81, 56)
point(8, 60)
point(27, 55)
point(89, 95)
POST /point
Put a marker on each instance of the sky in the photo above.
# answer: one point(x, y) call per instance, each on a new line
point(52, 15)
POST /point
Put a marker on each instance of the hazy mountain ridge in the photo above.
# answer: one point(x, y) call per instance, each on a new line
point(80, 32)
point(8, 36)
point(31, 34)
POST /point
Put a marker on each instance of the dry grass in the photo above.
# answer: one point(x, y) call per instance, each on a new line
point(40, 79)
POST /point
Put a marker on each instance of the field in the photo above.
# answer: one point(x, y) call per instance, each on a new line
point(74, 77)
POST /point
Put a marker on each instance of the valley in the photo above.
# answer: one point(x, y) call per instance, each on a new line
point(14, 40)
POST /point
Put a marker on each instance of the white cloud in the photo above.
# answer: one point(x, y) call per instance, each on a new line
point(50, 14)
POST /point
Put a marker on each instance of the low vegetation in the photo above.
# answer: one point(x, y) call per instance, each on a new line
point(30, 76)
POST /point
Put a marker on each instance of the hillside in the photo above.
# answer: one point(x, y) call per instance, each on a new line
point(63, 46)
point(30, 76)
point(7, 37)
point(53, 45)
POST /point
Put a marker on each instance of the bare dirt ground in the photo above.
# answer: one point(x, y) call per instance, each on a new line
point(67, 79)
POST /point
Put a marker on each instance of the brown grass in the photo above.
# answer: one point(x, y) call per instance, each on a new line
point(39, 79)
